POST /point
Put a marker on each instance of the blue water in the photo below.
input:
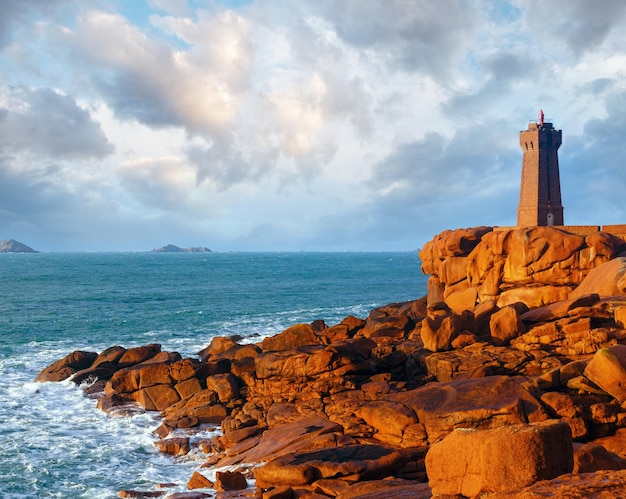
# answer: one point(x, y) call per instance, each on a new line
point(53, 440)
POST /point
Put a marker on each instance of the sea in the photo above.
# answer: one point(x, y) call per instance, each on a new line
point(54, 442)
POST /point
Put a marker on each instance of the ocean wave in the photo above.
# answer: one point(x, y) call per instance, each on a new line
point(55, 443)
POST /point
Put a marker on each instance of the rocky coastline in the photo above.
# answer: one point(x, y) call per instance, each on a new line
point(507, 380)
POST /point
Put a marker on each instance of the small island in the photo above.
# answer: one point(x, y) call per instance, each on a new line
point(13, 246)
point(170, 248)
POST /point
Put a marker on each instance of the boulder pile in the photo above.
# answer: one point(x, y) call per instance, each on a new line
point(508, 377)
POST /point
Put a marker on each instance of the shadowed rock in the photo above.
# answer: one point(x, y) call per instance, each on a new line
point(474, 403)
point(67, 366)
point(302, 435)
point(230, 480)
point(593, 457)
point(598, 485)
point(358, 462)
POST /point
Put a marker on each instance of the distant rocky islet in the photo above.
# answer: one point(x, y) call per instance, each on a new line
point(13, 246)
point(170, 248)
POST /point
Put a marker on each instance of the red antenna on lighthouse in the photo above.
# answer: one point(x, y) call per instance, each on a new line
point(541, 117)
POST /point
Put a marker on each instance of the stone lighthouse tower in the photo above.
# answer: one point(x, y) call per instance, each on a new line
point(540, 191)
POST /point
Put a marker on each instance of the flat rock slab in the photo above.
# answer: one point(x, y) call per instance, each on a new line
point(357, 462)
point(559, 309)
point(598, 485)
point(387, 489)
point(480, 403)
point(305, 434)
point(607, 279)
point(607, 369)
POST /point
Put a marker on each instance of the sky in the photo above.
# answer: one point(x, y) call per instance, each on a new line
point(292, 125)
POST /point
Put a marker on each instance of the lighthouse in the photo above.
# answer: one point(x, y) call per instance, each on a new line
point(540, 190)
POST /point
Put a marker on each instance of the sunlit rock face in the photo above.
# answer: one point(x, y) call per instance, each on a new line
point(533, 265)
point(516, 354)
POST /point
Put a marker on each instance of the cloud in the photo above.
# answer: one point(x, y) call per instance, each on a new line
point(504, 73)
point(592, 167)
point(299, 125)
point(436, 182)
point(54, 208)
point(207, 89)
point(49, 207)
point(153, 82)
point(176, 7)
point(163, 184)
point(49, 124)
point(15, 15)
point(223, 167)
point(416, 35)
point(23, 197)
point(578, 25)
point(457, 166)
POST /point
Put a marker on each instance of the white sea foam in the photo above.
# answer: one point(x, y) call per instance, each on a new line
point(55, 443)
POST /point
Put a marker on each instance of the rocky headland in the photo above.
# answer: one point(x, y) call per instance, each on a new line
point(507, 380)
point(13, 246)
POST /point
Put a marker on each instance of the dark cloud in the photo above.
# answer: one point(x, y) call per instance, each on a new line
point(593, 168)
point(507, 66)
point(134, 97)
point(471, 158)
point(16, 15)
point(224, 165)
point(600, 85)
point(418, 35)
point(23, 197)
point(435, 182)
point(46, 123)
point(133, 73)
point(502, 72)
point(580, 25)
point(38, 210)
